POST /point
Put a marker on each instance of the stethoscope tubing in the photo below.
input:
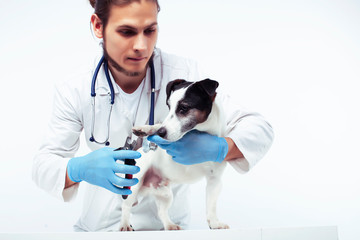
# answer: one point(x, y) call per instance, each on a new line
point(152, 98)
point(112, 97)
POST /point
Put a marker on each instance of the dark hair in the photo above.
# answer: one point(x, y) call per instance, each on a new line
point(102, 7)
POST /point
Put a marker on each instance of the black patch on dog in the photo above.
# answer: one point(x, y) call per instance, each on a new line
point(175, 85)
point(199, 95)
point(197, 102)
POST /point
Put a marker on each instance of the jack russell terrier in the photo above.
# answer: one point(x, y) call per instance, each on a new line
point(193, 106)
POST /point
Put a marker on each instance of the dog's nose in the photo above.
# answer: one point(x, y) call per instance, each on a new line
point(162, 132)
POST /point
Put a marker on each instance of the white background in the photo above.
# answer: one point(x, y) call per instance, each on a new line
point(296, 62)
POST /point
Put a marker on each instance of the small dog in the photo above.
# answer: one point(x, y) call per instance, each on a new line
point(192, 105)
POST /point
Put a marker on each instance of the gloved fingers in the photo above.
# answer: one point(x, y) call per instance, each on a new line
point(181, 160)
point(171, 153)
point(109, 186)
point(162, 143)
point(158, 140)
point(174, 157)
point(125, 169)
point(123, 182)
point(126, 154)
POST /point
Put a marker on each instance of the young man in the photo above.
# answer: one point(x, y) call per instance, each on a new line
point(129, 30)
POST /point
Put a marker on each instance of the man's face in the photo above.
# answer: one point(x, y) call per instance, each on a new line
point(130, 36)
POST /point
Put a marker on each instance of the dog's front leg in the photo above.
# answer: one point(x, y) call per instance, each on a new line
point(145, 130)
point(132, 198)
point(213, 189)
point(126, 210)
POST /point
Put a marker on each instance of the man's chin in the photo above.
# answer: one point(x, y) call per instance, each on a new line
point(130, 72)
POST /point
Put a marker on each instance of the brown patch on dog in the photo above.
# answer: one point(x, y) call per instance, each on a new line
point(200, 116)
point(153, 178)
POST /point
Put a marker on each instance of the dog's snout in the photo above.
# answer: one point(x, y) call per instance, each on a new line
point(162, 132)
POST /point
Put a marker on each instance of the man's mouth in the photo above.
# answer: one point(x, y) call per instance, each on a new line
point(137, 59)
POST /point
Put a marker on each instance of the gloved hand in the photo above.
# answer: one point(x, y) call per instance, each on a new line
point(194, 147)
point(99, 168)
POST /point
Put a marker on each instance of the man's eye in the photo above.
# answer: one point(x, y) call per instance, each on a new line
point(149, 31)
point(127, 33)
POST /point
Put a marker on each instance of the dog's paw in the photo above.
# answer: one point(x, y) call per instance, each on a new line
point(143, 131)
point(217, 225)
point(138, 131)
point(126, 228)
point(173, 227)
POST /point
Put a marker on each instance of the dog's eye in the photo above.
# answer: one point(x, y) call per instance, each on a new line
point(183, 109)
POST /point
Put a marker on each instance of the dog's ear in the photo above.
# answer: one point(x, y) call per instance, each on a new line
point(171, 86)
point(209, 86)
point(174, 85)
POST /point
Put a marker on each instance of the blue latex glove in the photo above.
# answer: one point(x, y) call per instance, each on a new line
point(99, 168)
point(194, 147)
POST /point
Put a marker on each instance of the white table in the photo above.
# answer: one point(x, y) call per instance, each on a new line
point(301, 233)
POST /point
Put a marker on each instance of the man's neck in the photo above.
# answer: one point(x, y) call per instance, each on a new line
point(127, 83)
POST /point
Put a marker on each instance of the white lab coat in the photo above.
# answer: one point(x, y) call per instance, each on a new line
point(72, 113)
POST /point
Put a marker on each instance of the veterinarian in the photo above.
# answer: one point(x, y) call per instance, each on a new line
point(129, 30)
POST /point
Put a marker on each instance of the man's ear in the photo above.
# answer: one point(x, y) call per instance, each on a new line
point(97, 26)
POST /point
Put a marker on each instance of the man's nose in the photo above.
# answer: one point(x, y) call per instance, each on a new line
point(140, 43)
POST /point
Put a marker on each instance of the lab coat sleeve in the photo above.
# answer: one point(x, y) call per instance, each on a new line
point(249, 130)
point(251, 133)
point(60, 144)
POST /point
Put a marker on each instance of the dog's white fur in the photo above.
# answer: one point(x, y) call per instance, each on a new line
point(159, 171)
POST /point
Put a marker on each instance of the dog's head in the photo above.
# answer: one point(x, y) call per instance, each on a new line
point(190, 104)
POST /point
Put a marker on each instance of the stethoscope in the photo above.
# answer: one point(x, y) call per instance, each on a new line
point(112, 98)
